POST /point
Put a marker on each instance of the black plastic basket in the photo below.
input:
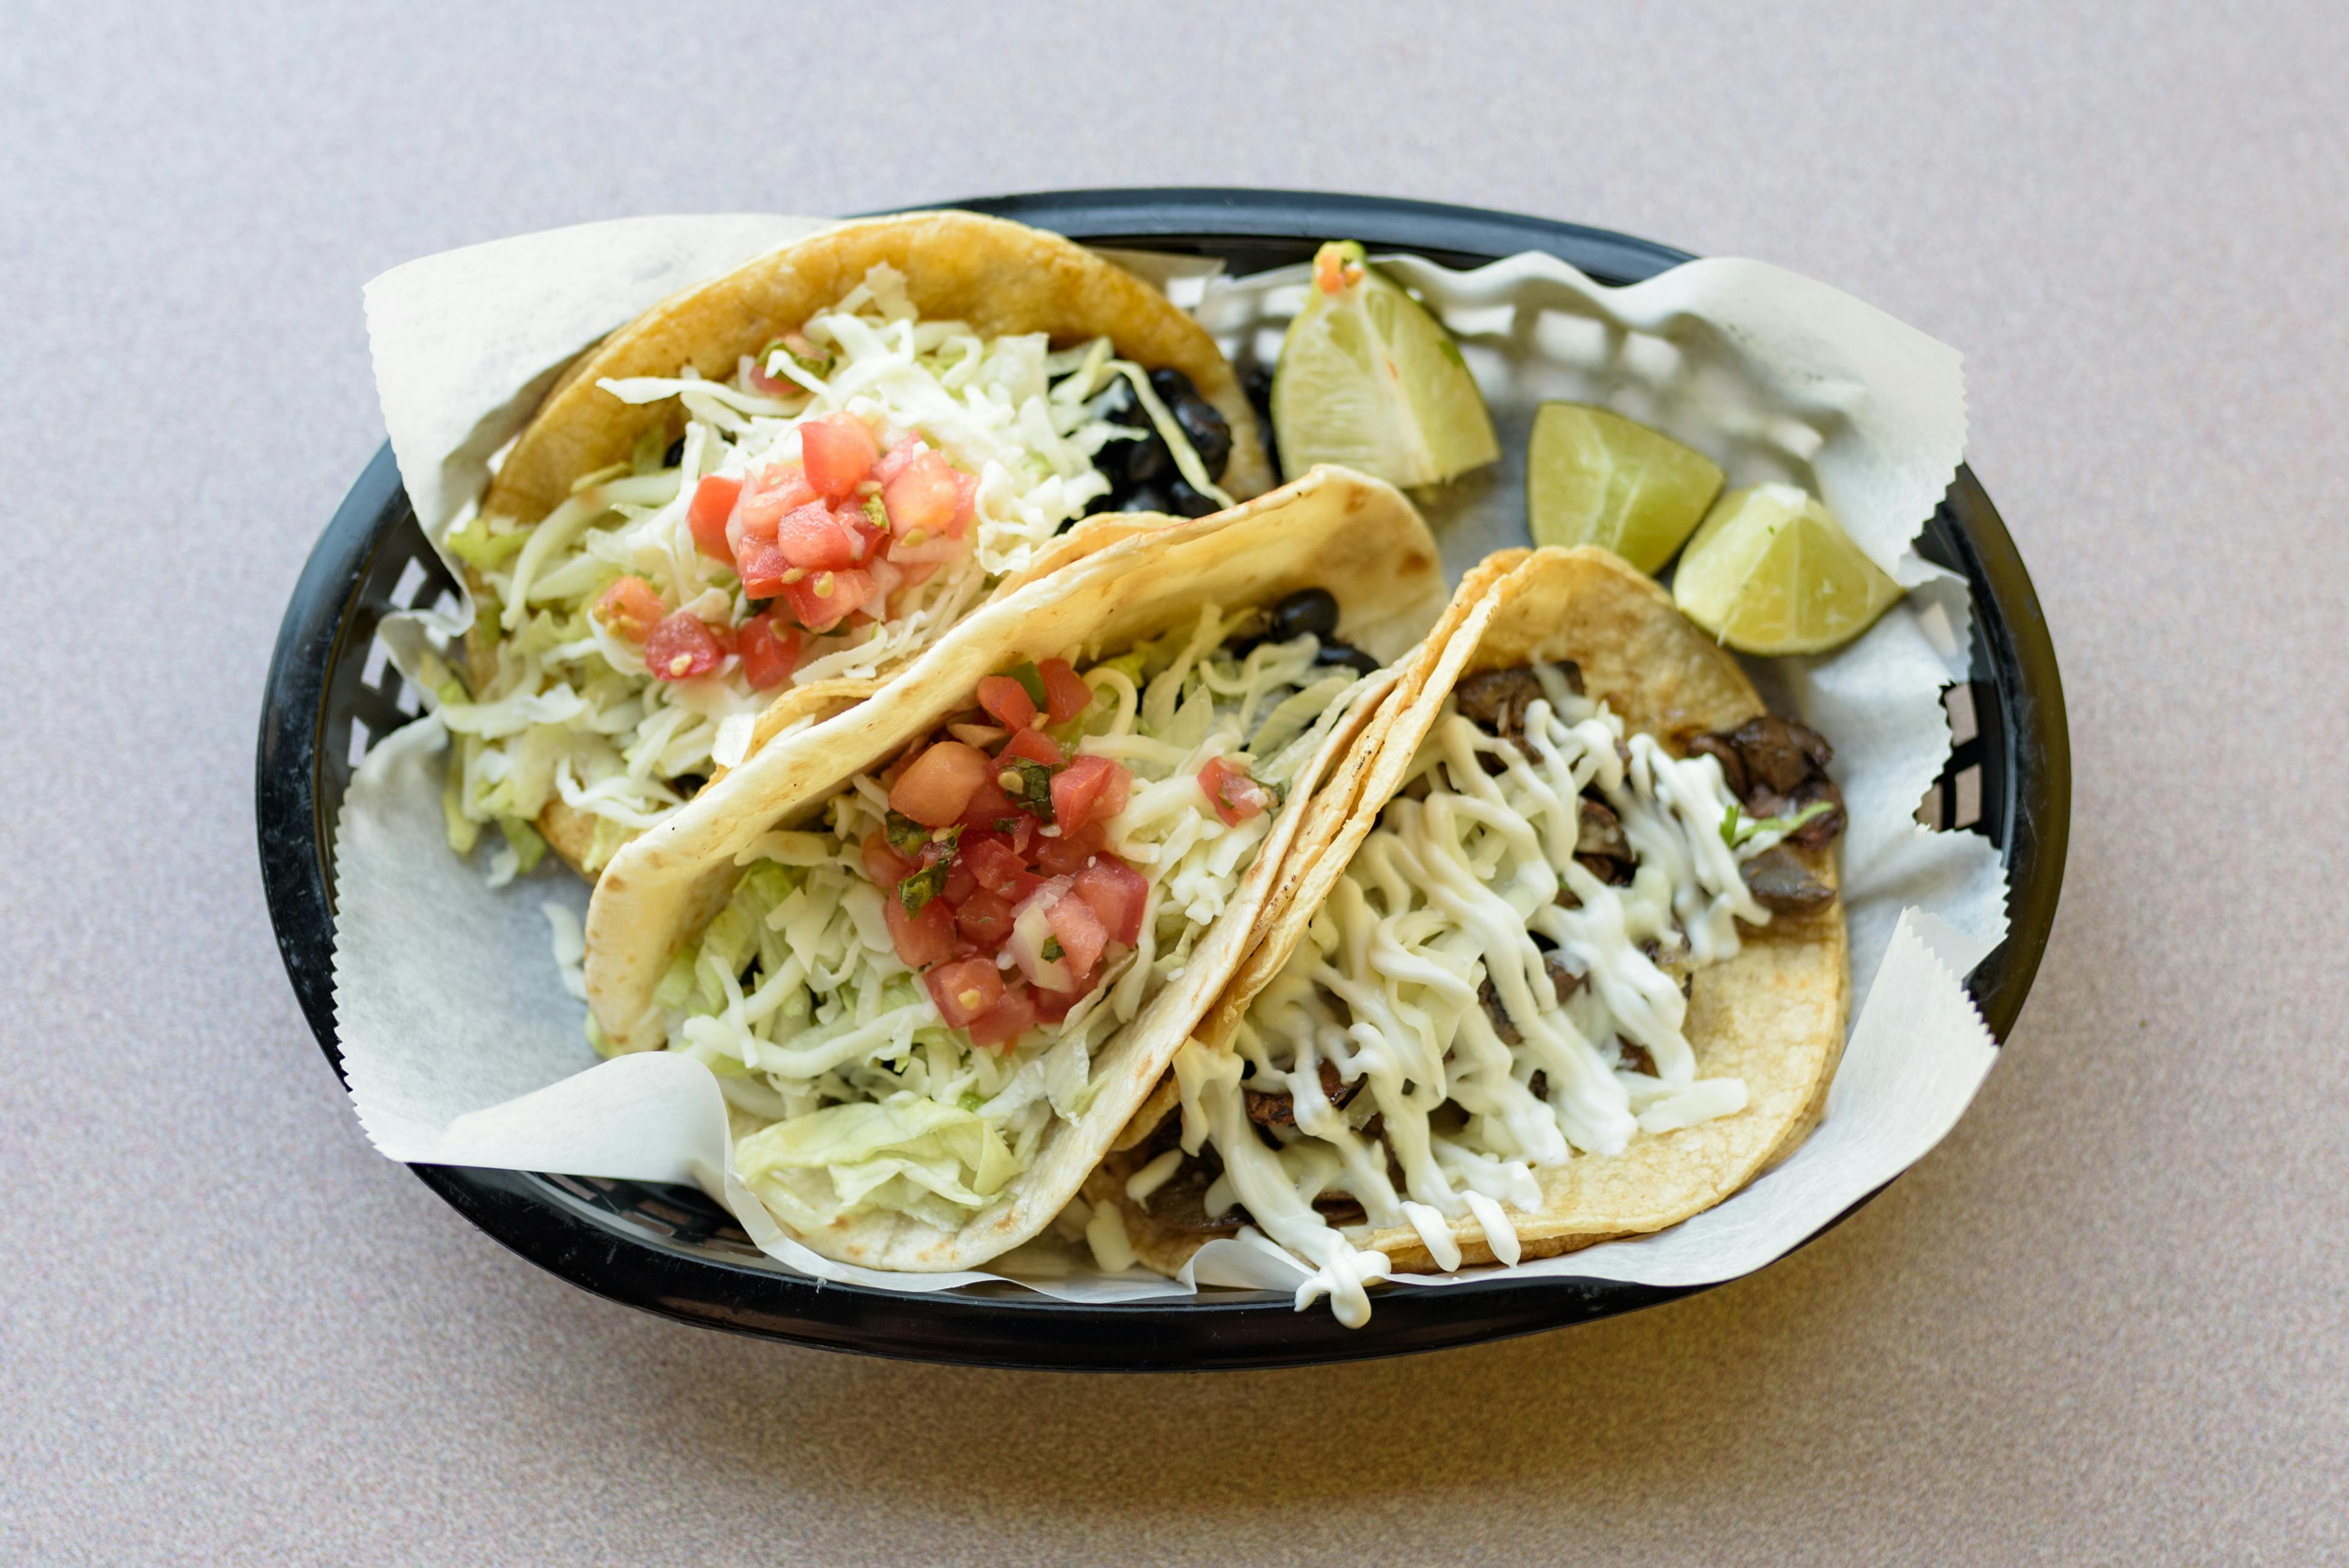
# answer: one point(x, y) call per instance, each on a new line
point(670, 1250)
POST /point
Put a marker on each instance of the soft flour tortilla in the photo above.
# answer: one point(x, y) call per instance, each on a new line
point(1355, 536)
point(1773, 1015)
point(1002, 277)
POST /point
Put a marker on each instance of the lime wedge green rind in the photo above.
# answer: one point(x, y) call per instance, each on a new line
point(1771, 572)
point(1369, 379)
point(1593, 477)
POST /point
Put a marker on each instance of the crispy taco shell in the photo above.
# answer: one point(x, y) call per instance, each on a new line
point(1357, 537)
point(1773, 1015)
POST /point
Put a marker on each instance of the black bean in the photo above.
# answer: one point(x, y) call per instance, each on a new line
point(1256, 383)
point(1313, 610)
point(1336, 653)
point(1203, 424)
point(1185, 501)
point(1149, 498)
point(1134, 466)
point(1143, 462)
point(674, 455)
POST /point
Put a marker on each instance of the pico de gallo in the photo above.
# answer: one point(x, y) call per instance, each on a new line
point(900, 997)
point(828, 512)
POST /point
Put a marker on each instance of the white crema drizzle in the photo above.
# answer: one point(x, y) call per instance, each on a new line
point(1449, 891)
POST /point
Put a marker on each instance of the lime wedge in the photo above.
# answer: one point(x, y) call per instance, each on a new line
point(1593, 477)
point(1772, 572)
point(1369, 379)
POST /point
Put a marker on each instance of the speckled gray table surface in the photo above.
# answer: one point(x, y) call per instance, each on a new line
point(2104, 1323)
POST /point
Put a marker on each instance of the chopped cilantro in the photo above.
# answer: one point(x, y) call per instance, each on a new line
point(922, 886)
point(905, 835)
point(1735, 833)
point(1035, 792)
point(1052, 949)
point(939, 857)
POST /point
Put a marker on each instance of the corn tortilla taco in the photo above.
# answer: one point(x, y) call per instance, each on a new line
point(1567, 965)
point(939, 946)
point(804, 473)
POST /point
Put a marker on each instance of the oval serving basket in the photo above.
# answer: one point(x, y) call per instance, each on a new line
point(670, 1250)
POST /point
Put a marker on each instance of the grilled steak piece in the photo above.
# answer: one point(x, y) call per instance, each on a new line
point(1563, 981)
point(1776, 767)
point(1277, 1108)
point(1497, 699)
point(1780, 882)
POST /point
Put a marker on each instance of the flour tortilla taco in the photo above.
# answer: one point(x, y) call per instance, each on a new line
point(800, 475)
point(939, 946)
point(1567, 965)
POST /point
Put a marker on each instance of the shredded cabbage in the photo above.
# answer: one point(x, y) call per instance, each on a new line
point(566, 710)
point(868, 1099)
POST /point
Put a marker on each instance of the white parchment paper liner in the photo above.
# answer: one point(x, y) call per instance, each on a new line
point(463, 1043)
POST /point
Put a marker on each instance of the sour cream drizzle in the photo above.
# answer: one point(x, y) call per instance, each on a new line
point(1449, 891)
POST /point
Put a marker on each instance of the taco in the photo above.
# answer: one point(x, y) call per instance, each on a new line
point(937, 947)
point(802, 473)
point(1567, 965)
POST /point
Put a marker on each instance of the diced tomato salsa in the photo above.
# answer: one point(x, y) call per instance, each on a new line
point(1088, 787)
point(1064, 690)
point(630, 608)
point(833, 535)
point(768, 652)
point(1034, 746)
point(681, 647)
point(965, 989)
point(823, 600)
point(1006, 701)
point(1000, 888)
point(713, 503)
point(1235, 796)
point(837, 451)
point(831, 538)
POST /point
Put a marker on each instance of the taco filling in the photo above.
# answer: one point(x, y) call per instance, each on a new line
point(902, 995)
point(846, 495)
point(1498, 984)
